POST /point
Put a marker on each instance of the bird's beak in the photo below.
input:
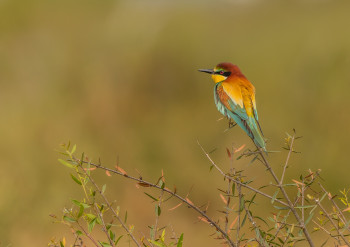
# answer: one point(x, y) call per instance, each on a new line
point(209, 71)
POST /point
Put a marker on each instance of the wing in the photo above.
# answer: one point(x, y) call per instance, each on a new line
point(238, 102)
point(256, 112)
point(233, 100)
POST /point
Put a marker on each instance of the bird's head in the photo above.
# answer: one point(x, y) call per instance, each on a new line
point(222, 71)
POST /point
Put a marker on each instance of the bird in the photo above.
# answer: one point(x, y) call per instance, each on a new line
point(234, 96)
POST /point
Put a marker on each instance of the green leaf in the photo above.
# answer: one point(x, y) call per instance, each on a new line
point(159, 244)
point(309, 218)
point(126, 216)
point(79, 233)
point(104, 244)
point(162, 237)
point(305, 206)
point(103, 188)
point(78, 203)
point(154, 199)
point(281, 208)
point(61, 244)
point(90, 216)
point(73, 149)
point(158, 210)
point(324, 244)
point(81, 211)
point(66, 163)
point(180, 241)
point(112, 235)
point(92, 224)
point(116, 242)
point(233, 188)
point(252, 200)
point(274, 196)
point(75, 179)
point(244, 219)
point(241, 205)
point(69, 219)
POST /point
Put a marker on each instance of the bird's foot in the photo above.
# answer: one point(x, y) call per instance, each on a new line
point(231, 124)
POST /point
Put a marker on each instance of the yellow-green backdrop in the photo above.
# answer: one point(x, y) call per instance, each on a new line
point(119, 79)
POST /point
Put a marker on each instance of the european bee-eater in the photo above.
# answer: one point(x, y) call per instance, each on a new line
point(234, 97)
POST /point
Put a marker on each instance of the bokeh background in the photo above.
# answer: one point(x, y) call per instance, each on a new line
point(119, 79)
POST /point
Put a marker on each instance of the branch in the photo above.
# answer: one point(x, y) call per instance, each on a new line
point(237, 181)
point(107, 202)
point(149, 184)
point(289, 203)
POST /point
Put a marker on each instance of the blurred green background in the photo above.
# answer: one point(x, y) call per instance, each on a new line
point(119, 79)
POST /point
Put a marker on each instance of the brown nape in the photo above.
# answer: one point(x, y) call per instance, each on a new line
point(230, 67)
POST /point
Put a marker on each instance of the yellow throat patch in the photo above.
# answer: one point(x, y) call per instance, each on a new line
point(218, 78)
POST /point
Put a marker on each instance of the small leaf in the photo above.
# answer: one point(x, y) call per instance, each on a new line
point(92, 224)
point(162, 237)
point(159, 244)
point(309, 218)
point(81, 211)
point(189, 201)
point(121, 170)
point(241, 205)
point(75, 179)
point(103, 188)
point(108, 173)
point(233, 188)
point(232, 224)
point(203, 219)
point(73, 149)
point(104, 244)
point(239, 149)
point(228, 153)
point(69, 219)
point(223, 199)
point(144, 184)
point(178, 205)
point(180, 241)
point(347, 209)
point(126, 216)
point(116, 242)
point(244, 219)
point(154, 199)
point(112, 235)
point(66, 163)
point(274, 196)
point(90, 216)
point(158, 210)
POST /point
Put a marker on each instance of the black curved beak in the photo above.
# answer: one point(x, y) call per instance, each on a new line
point(209, 71)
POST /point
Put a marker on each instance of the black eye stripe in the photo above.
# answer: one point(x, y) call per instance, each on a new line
point(227, 73)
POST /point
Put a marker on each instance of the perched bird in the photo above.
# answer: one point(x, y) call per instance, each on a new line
point(234, 97)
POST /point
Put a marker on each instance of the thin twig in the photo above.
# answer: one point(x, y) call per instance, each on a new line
point(108, 203)
point(261, 241)
point(104, 228)
point(289, 203)
point(331, 220)
point(228, 200)
point(236, 180)
point(239, 213)
point(149, 184)
point(287, 160)
point(342, 217)
point(157, 215)
point(88, 234)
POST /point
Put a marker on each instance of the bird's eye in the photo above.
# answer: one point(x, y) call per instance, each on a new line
point(221, 72)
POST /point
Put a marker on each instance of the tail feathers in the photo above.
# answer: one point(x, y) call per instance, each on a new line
point(251, 127)
point(257, 135)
